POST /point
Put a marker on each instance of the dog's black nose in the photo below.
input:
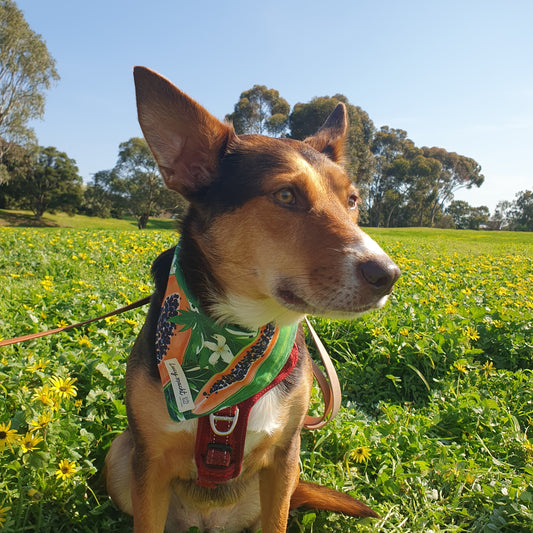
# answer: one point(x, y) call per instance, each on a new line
point(380, 274)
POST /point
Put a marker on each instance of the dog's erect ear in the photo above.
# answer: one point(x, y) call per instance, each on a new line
point(186, 141)
point(331, 136)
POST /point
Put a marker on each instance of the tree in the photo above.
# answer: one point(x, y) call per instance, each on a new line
point(522, 213)
point(105, 195)
point(137, 182)
point(479, 216)
point(26, 70)
point(502, 217)
point(260, 110)
point(50, 183)
point(306, 119)
point(467, 217)
point(422, 175)
point(17, 162)
point(424, 180)
point(388, 189)
point(456, 172)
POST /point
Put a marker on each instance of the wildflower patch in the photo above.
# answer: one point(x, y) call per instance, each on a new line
point(436, 426)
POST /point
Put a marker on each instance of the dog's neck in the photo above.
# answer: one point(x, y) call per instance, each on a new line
point(197, 273)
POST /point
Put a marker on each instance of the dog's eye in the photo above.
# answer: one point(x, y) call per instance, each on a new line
point(352, 201)
point(285, 196)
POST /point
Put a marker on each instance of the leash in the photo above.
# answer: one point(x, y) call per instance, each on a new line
point(328, 383)
point(329, 386)
point(129, 307)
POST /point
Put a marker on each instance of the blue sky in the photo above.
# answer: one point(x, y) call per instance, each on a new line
point(454, 74)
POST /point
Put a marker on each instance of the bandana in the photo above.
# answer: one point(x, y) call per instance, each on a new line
point(205, 367)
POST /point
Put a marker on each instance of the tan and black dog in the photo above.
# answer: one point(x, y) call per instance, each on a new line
point(271, 235)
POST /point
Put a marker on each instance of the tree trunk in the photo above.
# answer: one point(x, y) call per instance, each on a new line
point(143, 221)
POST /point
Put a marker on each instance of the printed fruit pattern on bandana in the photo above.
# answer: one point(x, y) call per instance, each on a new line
point(222, 365)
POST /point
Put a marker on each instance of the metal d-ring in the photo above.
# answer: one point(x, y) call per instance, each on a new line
point(213, 418)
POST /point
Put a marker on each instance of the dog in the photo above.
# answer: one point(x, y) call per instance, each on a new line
point(270, 235)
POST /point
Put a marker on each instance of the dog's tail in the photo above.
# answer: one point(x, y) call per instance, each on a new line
point(315, 496)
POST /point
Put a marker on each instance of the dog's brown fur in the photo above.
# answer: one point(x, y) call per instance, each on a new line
point(271, 234)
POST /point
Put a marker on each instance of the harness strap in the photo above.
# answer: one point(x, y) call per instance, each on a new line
point(220, 436)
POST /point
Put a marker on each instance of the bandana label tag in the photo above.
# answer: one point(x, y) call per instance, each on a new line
point(180, 386)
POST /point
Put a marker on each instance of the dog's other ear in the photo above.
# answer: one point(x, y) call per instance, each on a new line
point(186, 141)
point(330, 138)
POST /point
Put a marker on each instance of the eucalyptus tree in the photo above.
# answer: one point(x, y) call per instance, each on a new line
point(26, 70)
point(260, 110)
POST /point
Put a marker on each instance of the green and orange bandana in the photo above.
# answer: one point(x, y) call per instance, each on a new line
point(204, 366)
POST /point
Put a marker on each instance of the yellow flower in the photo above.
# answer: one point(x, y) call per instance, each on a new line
point(42, 421)
point(3, 511)
point(47, 283)
point(451, 309)
point(63, 388)
point(66, 469)
point(40, 365)
point(144, 288)
point(528, 447)
point(471, 333)
point(488, 368)
point(404, 332)
point(460, 366)
point(44, 395)
point(84, 341)
point(361, 454)
point(29, 442)
point(8, 436)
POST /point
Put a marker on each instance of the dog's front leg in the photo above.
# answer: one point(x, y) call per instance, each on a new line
point(150, 495)
point(277, 483)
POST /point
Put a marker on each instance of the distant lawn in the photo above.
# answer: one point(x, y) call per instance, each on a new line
point(10, 217)
point(452, 239)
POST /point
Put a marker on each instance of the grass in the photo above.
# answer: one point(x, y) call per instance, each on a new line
point(62, 220)
point(435, 428)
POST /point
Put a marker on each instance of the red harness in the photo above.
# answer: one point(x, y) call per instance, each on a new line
point(220, 436)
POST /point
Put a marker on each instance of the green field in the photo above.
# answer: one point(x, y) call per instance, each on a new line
point(436, 428)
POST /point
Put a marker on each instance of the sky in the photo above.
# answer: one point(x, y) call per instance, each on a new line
point(453, 74)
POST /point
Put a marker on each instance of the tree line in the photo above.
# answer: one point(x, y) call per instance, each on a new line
point(400, 184)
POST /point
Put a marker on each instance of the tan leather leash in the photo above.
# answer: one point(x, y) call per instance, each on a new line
point(134, 305)
point(329, 386)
